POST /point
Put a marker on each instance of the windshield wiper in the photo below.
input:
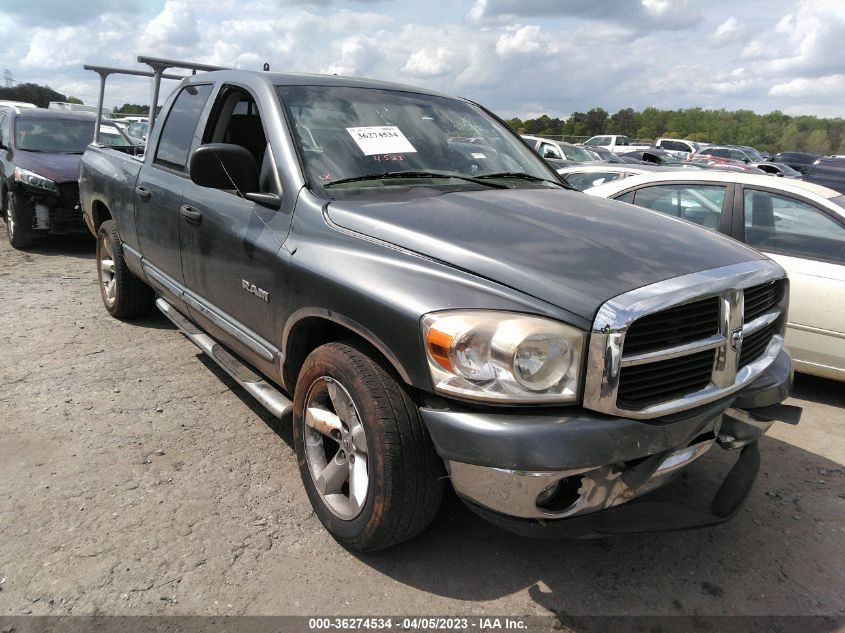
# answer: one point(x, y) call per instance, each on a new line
point(416, 174)
point(523, 176)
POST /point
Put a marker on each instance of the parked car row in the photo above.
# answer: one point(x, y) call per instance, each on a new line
point(40, 151)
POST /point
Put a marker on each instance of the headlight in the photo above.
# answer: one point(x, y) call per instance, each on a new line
point(34, 180)
point(503, 356)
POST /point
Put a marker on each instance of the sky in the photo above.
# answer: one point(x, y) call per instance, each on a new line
point(517, 57)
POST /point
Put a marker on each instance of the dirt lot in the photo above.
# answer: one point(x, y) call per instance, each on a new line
point(135, 480)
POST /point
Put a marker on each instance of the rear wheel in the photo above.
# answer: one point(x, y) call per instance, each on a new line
point(124, 295)
point(367, 463)
point(19, 221)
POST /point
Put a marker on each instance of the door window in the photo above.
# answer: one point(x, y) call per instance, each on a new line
point(787, 226)
point(180, 127)
point(701, 204)
point(236, 120)
point(4, 128)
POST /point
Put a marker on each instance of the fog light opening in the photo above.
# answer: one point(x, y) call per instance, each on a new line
point(560, 495)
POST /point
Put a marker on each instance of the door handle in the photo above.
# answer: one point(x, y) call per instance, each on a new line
point(190, 214)
point(143, 192)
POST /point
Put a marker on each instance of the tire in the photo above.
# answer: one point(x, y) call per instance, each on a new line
point(18, 221)
point(123, 294)
point(342, 385)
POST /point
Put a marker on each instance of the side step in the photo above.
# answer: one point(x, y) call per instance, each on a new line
point(268, 395)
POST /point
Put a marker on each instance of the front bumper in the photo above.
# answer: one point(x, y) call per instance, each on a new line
point(559, 464)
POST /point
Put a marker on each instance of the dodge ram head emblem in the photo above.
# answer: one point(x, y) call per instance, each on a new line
point(255, 290)
point(736, 339)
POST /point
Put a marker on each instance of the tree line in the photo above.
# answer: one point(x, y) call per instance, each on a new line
point(772, 132)
point(35, 94)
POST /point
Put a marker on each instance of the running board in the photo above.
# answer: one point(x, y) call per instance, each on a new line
point(269, 396)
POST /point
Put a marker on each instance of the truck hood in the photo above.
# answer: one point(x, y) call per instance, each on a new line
point(566, 248)
point(59, 168)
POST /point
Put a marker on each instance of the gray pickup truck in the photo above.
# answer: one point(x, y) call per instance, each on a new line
point(396, 271)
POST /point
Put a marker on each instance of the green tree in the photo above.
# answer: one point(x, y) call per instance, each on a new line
point(32, 93)
point(71, 99)
point(818, 142)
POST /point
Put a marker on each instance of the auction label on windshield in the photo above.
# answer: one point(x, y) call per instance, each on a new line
point(382, 139)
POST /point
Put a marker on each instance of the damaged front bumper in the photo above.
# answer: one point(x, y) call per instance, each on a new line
point(551, 472)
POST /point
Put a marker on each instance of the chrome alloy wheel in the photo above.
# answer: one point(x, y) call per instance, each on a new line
point(336, 448)
point(105, 265)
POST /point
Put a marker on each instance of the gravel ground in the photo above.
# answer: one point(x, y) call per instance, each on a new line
point(137, 478)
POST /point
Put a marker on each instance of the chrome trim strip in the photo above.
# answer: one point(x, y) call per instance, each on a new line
point(761, 321)
point(255, 343)
point(674, 352)
point(265, 351)
point(606, 358)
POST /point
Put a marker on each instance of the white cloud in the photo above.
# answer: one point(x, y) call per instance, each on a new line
point(519, 40)
point(729, 31)
point(428, 63)
point(830, 86)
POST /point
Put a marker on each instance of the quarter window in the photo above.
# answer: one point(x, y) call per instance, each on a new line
point(180, 127)
point(787, 226)
point(701, 204)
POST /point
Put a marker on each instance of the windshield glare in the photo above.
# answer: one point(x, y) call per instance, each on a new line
point(359, 132)
point(56, 136)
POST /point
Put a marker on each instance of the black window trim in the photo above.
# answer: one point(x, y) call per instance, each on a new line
point(165, 166)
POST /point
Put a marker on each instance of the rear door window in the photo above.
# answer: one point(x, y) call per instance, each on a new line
point(787, 226)
point(701, 204)
point(181, 126)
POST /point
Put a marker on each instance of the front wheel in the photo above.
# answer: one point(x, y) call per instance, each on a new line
point(18, 221)
point(124, 295)
point(367, 463)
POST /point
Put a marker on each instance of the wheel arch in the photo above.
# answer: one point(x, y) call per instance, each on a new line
point(99, 214)
point(308, 328)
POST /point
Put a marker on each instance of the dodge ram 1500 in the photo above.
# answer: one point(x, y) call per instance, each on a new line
point(401, 275)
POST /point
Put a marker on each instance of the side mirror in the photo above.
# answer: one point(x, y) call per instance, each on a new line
point(224, 166)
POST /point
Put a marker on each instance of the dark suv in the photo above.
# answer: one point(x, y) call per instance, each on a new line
point(39, 170)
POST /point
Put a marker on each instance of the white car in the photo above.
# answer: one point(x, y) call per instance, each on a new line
point(589, 175)
point(798, 224)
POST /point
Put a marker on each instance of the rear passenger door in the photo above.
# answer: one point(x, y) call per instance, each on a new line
point(809, 243)
point(158, 191)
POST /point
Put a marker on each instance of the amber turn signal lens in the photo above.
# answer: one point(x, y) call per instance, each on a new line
point(438, 346)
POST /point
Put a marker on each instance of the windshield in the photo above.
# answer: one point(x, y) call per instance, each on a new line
point(577, 154)
point(54, 136)
point(754, 155)
point(350, 137)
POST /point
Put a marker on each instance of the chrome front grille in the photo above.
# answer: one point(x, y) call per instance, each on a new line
point(686, 341)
